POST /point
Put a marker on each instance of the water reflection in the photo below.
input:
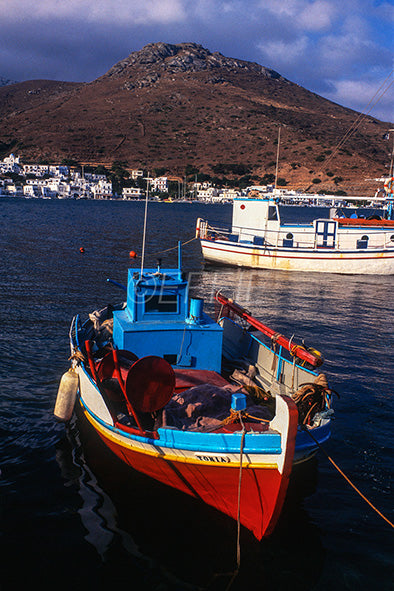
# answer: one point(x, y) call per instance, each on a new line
point(97, 511)
point(145, 535)
point(190, 544)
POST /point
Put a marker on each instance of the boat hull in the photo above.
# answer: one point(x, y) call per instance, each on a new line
point(306, 447)
point(377, 261)
point(211, 473)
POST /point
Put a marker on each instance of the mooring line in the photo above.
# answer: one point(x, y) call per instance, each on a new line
point(173, 247)
point(241, 451)
point(348, 480)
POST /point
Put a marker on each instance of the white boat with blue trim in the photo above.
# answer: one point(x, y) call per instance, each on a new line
point(258, 239)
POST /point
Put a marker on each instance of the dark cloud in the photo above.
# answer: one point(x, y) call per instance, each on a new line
point(328, 46)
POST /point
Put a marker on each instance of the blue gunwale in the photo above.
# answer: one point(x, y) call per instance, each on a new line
point(305, 442)
point(255, 442)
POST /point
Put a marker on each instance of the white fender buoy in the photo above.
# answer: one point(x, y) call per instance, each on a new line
point(66, 395)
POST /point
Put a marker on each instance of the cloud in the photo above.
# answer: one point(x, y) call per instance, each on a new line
point(134, 12)
point(366, 96)
point(319, 44)
point(310, 16)
point(385, 10)
point(284, 52)
point(342, 50)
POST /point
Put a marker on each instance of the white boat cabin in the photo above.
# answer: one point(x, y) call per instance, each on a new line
point(256, 221)
point(258, 239)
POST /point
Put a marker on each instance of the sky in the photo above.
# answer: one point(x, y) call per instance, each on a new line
point(339, 49)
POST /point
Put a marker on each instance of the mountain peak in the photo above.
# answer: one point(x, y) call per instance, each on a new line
point(169, 106)
point(182, 57)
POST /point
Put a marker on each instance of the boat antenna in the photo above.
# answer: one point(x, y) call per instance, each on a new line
point(277, 158)
point(391, 131)
point(147, 179)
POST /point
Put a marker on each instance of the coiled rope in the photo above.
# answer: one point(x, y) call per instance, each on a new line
point(348, 479)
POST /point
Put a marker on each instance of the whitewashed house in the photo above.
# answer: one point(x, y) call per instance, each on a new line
point(225, 195)
point(92, 177)
point(58, 171)
point(35, 169)
point(159, 184)
point(59, 188)
point(31, 191)
point(135, 174)
point(132, 193)
point(10, 163)
point(102, 190)
point(207, 194)
point(14, 190)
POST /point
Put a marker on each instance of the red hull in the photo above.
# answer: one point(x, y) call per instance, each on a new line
point(263, 490)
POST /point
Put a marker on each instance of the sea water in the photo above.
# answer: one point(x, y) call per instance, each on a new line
point(75, 517)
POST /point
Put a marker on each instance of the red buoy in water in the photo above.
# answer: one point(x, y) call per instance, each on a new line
point(132, 254)
point(82, 249)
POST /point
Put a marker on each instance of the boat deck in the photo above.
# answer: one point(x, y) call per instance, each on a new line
point(188, 378)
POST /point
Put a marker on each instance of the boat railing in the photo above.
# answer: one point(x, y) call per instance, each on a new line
point(284, 237)
point(72, 334)
point(271, 238)
point(75, 327)
point(297, 351)
point(210, 231)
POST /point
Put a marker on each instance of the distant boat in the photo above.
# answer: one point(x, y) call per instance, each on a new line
point(258, 239)
point(202, 405)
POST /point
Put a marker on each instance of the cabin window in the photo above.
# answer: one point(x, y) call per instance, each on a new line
point(363, 242)
point(161, 303)
point(272, 213)
point(289, 236)
point(171, 358)
point(392, 237)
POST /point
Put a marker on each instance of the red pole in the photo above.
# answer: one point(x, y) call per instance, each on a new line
point(123, 388)
point(296, 350)
point(88, 348)
point(119, 378)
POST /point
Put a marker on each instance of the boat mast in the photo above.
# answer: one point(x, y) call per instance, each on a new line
point(277, 158)
point(392, 153)
point(145, 218)
point(390, 188)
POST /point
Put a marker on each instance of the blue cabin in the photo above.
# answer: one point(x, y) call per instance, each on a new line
point(160, 319)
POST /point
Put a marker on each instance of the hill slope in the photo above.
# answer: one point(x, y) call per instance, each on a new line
point(169, 106)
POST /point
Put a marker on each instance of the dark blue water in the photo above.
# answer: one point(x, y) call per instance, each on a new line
point(75, 517)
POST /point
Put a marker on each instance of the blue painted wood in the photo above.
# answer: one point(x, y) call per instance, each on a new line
point(157, 321)
point(196, 441)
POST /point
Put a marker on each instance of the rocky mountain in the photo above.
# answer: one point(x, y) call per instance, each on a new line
point(176, 106)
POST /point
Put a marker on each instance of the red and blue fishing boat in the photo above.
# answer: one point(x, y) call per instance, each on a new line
point(201, 404)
